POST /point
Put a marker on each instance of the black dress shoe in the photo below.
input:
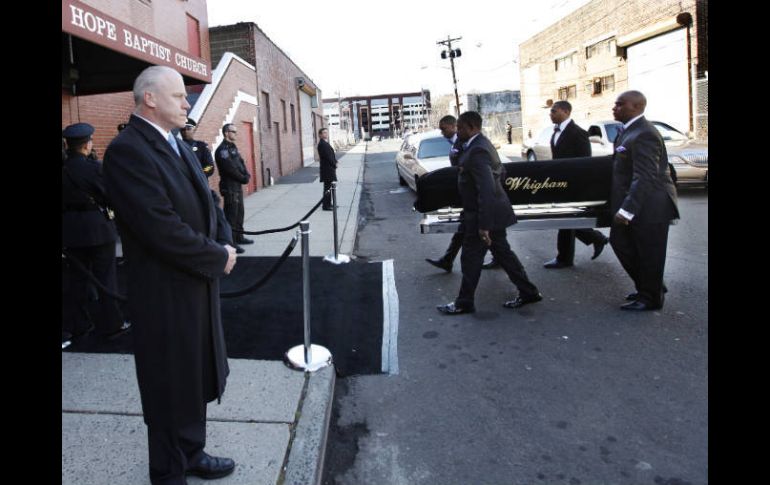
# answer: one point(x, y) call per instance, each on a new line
point(452, 309)
point(212, 467)
point(125, 328)
point(520, 301)
point(599, 247)
point(246, 241)
point(632, 296)
point(639, 306)
point(239, 250)
point(556, 264)
point(441, 263)
point(490, 265)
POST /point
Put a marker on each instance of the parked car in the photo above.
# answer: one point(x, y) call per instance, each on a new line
point(689, 159)
point(419, 154)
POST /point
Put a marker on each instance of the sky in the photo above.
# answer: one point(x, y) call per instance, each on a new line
point(353, 47)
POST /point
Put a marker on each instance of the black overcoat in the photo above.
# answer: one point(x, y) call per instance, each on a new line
point(83, 224)
point(168, 227)
point(328, 162)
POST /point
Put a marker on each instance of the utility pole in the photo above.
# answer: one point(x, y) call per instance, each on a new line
point(452, 53)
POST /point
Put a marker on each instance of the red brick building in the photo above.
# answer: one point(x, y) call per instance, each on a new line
point(107, 43)
point(289, 114)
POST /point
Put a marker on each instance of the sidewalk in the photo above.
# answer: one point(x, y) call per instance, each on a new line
point(273, 421)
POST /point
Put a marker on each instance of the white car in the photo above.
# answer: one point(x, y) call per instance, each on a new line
point(419, 154)
point(688, 158)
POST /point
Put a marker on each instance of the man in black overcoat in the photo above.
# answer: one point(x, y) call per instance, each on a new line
point(328, 165)
point(487, 212)
point(643, 198)
point(571, 141)
point(168, 226)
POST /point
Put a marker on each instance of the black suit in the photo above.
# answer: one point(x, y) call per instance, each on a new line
point(89, 236)
point(486, 206)
point(642, 186)
point(573, 143)
point(328, 174)
point(168, 226)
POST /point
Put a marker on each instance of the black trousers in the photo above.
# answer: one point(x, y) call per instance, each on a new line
point(173, 451)
point(327, 203)
point(641, 250)
point(233, 207)
point(82, 303)
point(565, 242)
point(472, 258)
point(454, 245)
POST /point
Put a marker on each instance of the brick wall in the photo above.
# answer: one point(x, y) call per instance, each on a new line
point(281, 150)
point(540, 81)
point(103, 111)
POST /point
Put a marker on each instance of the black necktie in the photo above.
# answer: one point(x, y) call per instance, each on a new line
point(556, 129)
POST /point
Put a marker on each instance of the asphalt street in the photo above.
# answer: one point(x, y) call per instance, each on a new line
point(571, 390)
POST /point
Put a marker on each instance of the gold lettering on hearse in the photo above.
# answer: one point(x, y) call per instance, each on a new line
point(526, 183)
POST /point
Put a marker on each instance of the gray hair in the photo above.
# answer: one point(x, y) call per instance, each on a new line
point(148, 81)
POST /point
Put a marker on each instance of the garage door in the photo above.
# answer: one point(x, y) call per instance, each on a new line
point(658, 68)
point(306, 116)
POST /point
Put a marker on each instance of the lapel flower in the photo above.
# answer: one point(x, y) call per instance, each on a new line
point(620, 149)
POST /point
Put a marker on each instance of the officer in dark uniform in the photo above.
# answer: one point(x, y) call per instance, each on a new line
point(200, 148)
point(232, 175)
point(88, 235)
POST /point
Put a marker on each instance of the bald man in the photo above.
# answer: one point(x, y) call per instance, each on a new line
point(643, 198)
point(168, 224)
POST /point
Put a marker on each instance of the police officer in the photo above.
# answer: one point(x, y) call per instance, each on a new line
point(88, 235)
point(200, 148)
point(232, 175)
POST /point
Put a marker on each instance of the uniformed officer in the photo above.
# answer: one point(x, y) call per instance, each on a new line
point(232, 175)
point(200, 148)
point(88, 235)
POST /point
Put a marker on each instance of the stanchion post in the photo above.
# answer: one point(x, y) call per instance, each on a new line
point(307, 357)
point(336, 258)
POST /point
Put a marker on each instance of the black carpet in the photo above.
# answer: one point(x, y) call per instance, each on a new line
point(346, 313)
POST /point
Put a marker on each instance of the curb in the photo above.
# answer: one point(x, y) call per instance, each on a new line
point(307, 448)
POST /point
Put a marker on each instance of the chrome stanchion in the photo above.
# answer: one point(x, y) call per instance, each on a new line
point(336, 258)
point(307, 357)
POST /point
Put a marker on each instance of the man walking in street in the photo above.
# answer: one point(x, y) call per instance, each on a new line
point(232, 175)
point(328, 165)
point(571, 141)
point(643, 198)
point(487, 212)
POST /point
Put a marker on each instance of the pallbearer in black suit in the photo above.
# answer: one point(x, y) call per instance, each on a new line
point(448, 127)
point(328, 165)
point(487, 211)
point(571, 141)
point(644, 201)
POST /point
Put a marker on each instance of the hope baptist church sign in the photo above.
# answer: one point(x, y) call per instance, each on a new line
point(90, 24)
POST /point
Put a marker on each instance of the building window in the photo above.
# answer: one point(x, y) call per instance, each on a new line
point(608, 83)
point(283, 108)
point(293, 120)
point(605, 47)
point(568, 92)
point(566, 61)
point(598, 85)
point(266, 111)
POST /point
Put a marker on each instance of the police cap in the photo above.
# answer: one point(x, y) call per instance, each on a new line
point(190, 123)
point(78, 130)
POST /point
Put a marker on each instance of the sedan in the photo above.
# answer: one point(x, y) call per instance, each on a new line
point(419, 154)
point(687, 158)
